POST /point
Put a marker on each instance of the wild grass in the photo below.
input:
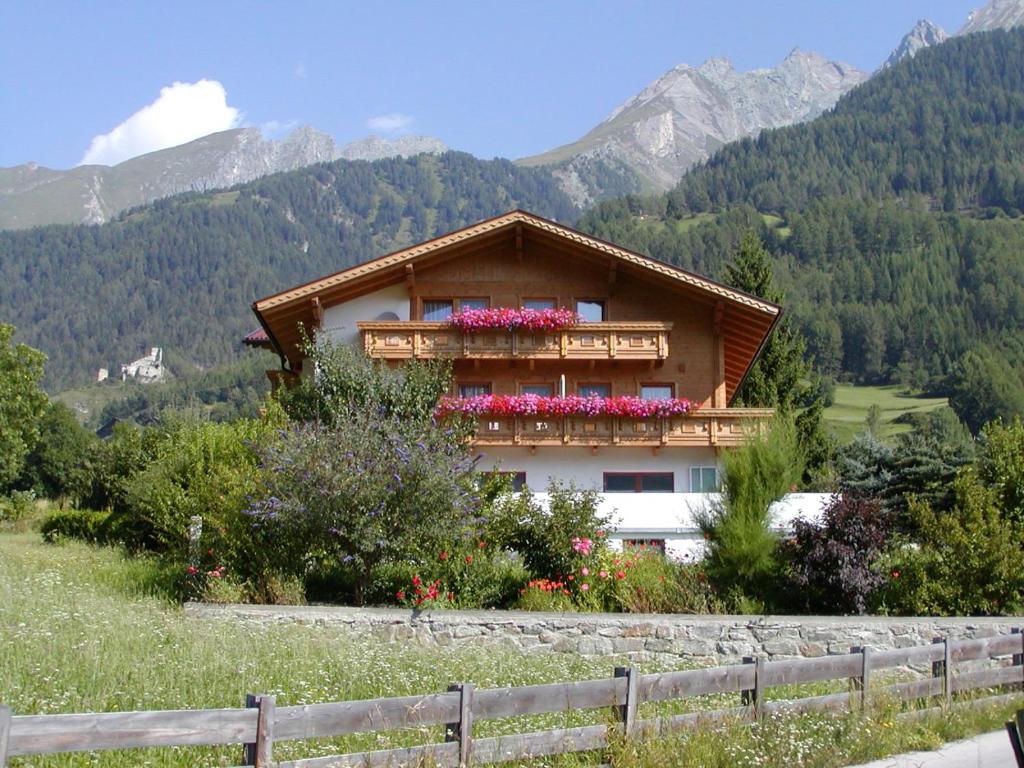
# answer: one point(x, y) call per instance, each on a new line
point(82, 629)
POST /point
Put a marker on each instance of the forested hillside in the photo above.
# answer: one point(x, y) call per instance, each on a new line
point(182, 272)
point(895, 220)
point(947, 124)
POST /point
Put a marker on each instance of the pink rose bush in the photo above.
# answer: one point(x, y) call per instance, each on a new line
point(628, 406)
point(511, 319)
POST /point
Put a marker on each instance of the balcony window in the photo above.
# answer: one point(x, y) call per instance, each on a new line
point(656, 392)
point(703, 479)
point(476, 303)
point(591, 311)
point(474, 390)
point(541, 390)
point(639, 482)
point(539, 304)
point(594, 390)
point(517, 479)
point(437, 310)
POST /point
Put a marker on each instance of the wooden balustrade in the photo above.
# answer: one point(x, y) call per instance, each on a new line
point(723, 427)
point(405, 340)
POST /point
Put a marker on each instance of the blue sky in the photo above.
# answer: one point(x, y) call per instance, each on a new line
point(507, 79)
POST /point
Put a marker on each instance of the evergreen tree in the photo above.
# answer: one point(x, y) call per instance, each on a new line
point(778, 377)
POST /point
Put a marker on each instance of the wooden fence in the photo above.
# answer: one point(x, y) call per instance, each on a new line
point(262, 723)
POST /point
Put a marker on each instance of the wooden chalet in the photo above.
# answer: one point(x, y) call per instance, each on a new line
point(649, 330)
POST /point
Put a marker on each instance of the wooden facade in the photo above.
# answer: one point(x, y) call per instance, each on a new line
point(661, 330)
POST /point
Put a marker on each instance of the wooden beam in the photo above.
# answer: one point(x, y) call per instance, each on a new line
point(410, 278)
point(519, 242)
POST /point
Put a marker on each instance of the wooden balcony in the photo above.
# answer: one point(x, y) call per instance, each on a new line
point(407, 340)
point(724, 427)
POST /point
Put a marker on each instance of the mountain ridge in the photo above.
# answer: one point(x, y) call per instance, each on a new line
point(33, 195)
point(689, 112)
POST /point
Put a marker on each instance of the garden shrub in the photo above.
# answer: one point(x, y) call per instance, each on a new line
point(742, 548)
point(368, 490)
point(833, 560)
point(1001, 466)
point(82, 524)
point(968, 561)
point(554, 539)
point(545, 595)
point(653, 583)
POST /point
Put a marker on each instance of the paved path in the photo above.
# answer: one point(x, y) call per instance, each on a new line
point(991, 750)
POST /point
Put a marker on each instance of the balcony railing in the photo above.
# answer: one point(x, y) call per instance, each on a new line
point(723, 427)
point(407, 340)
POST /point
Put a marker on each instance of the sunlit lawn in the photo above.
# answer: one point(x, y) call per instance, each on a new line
point(847, 416)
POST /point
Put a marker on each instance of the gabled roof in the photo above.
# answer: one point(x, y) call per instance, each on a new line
point(747, 320)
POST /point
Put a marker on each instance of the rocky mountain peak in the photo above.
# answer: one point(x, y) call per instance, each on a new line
point(689, 112)
point(923, 35)
point(997, 14)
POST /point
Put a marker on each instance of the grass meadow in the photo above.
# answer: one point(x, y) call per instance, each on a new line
point(84, 629)
point(846, 416)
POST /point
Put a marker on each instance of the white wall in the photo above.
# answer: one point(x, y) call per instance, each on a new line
point(340, 320)
point(673, 516)
point(587, 470)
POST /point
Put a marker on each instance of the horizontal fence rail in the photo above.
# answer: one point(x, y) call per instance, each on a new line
point(261, 723)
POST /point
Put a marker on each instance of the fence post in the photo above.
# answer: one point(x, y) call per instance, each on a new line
point(260, 753)
point(944, 669)
point(462, 730)
point(862, 683)
point(5, 733)
point(1018, 658)
point(628, 711)
point(754, 697)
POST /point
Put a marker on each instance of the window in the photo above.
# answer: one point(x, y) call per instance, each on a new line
point(518, 479)
point(591, 311)
point(474, 304)
point(474, 390)
point(658, 544)
point(437, 310)
point(541, 390)
point(703, 479)
point(539, 303)
point(639, 482)
point(594, 390)
point(656, 391)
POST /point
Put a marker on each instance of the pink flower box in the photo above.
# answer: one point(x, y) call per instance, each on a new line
point(571, 405)
point(510, 319)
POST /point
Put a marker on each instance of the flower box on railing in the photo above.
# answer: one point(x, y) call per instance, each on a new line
point(571, 405)
point(512, 319)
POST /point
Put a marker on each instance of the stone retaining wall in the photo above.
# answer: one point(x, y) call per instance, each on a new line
point(669, 638)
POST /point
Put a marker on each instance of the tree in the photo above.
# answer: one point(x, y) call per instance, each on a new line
point(59, 466)
point(741, 543)
point(777, 378)
point(22, 403)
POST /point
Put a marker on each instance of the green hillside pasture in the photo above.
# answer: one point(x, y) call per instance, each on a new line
point(846, 417)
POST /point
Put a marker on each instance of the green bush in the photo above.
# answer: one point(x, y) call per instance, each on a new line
point(82, 524)
point(555, 539)
point(655, 584)
point(966, 562)
point(742, 549)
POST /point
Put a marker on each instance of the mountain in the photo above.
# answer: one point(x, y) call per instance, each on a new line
point(923, 35)
point(894, 219)
point(690, 112)
point(31, 195)
point(182, 272)
point(943, 127)
point(997, 14)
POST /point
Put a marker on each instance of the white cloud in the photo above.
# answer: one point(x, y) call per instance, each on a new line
point(394, 122)
point(182, 112)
